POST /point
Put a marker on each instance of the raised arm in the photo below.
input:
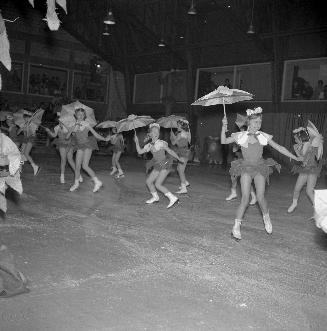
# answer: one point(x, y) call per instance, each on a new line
point(223, 139)
point(283, 150)
point(138, 148)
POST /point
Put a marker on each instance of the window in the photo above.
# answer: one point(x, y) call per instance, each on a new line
point(253, 78)
point(12, 81)
point(45, 80)
point(305, 80)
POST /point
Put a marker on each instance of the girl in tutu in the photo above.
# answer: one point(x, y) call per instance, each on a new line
point(252, 166)
point(309, 145)
point(28, 142)
point(182, 142)
point(10, 166)
point(117, 140)
point(12, 130)
point(160, 164)
point(64, 146)
point(84, 146)
point(238, 155)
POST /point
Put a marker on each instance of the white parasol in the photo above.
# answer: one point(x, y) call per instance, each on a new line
point(133, 122)
point(107, 124)
point(169, 121)
point(68, 111)
point(222, 96)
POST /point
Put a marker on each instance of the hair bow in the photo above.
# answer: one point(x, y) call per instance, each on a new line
point(257, 110)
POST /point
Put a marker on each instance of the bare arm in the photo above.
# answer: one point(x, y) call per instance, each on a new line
point(223, 139)
point(137, 144)
point(282, 150)
point(98, 136)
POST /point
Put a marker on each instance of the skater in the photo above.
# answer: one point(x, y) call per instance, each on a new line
point(182, 142)
point(84, 146)
point(64, 146)
point(233, 193)
point(309, 145)
point(29, 131)
point(10, 167)
point(160, 165)
point(252, 166)
point(117, 140)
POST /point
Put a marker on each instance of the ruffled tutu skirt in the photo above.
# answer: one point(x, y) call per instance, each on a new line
point(262, 167)
point(312, 169)
point(182, 152)
point(30, 139)
point(159, 165)
point(117, 149)
point(90, 143)
point(60, 143)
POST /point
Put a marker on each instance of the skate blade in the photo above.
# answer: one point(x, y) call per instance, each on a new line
point(234, 238)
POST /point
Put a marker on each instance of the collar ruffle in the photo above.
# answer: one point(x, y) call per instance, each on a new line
point(242, 138)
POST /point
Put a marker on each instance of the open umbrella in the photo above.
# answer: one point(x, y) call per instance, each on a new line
point(223, 95)
point(169, 121)
point(69, 111)
point(107, 124)
point(133, 122)
point(35, 121)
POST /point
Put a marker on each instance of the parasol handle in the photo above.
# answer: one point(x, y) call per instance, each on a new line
point(225, 112)
point(224, 108)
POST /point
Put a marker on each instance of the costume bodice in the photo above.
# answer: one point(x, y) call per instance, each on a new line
point(252, 153)
point(117, 139)
point(82, 135)
point(183, 139)
point(157, 149)
point(12, 132)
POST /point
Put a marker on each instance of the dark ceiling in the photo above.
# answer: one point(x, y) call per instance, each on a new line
point(140, 24)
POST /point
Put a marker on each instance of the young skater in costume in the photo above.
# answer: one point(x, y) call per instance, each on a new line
point(182, 142)
point(10, 166)
point(160, 164)
point(238, 155)
point(309, 145)
point(64, 146)
point(252, 166)
point(29, 132)
point(117, 140)
point(84, 146)
point(12, 130)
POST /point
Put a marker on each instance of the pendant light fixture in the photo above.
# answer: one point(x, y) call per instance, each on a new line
point(192, 10)
point(106, 31)
point(251, 27)
point(109, 19)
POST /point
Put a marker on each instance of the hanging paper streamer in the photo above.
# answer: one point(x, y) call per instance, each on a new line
point(52, 17)
point(4, 47)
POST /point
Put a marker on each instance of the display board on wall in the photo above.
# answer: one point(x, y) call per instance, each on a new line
point(155, 87)
point(305, 79)
point(13, 80)
point(47, 81)
point(89, 87)
point(254, 78)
